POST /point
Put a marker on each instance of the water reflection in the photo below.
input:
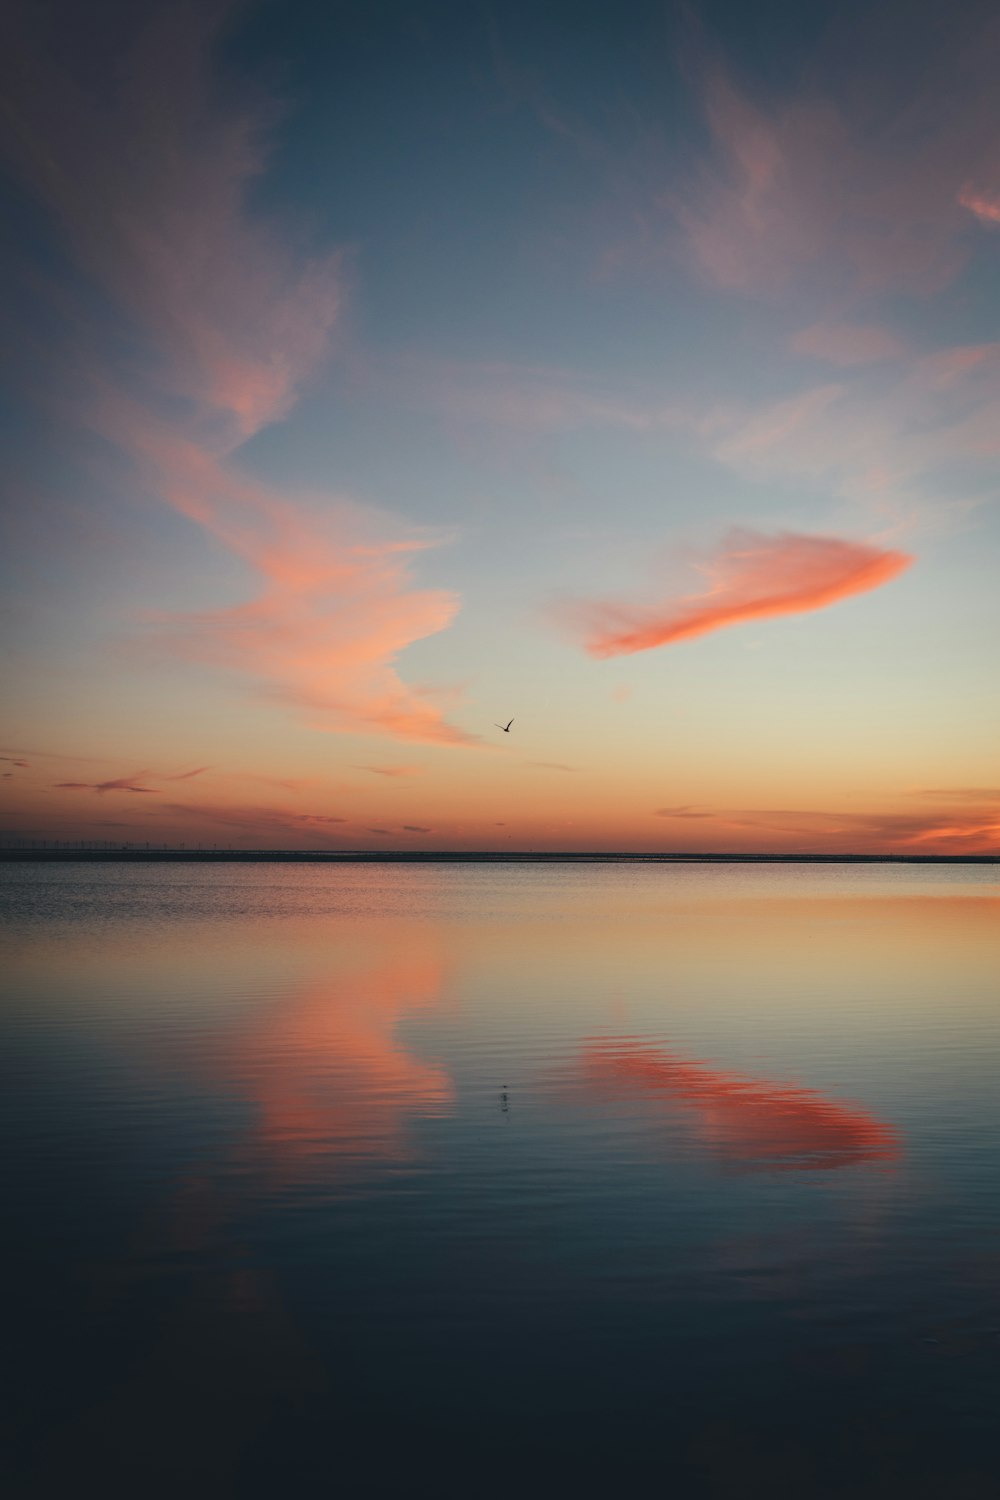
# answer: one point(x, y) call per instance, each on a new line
point(306, 1158)
point(749, 1124)
point(326, 1072)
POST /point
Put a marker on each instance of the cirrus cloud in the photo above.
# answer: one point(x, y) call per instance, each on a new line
point(752, 577)
point(119, 784)
point(147, 179)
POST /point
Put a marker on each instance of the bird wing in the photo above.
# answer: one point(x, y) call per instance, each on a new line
point(509, 724)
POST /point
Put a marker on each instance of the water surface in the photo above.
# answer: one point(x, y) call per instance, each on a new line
point(518, 1179)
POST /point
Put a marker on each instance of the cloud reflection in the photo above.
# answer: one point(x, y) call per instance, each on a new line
point(327, 1075)
point(751, 1124)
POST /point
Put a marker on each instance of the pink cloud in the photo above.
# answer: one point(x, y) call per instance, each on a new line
point(830, 184)
point(847, 343)
point(148, 177)
point(985, 207)
point(149, 180)
point(752, 577)
point(877, 440)
point(323, 630)
point(530, 398)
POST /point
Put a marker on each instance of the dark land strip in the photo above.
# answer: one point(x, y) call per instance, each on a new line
point(460, 857)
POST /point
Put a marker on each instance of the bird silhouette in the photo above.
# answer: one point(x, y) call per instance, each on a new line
point(504, 727)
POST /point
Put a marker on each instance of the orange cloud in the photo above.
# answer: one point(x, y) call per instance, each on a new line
point(753, 577)
point(751, 1124)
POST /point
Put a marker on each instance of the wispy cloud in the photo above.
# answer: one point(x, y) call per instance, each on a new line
point(986, 207)
point(148, 177)
point(14, 761)
point(120, 784)
point(254, 820)
point(392, 771)
point(752, 577)
point(971, 830)
point(857, 181)
point(848, 343)
point(680, 812)
point(963, 793)
point(912, 443)
point(189, 775)
point(550, 765)
point(531, 398)
point(147, 173)
point(334, 610)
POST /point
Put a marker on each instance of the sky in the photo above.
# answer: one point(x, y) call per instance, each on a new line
point(376, 374)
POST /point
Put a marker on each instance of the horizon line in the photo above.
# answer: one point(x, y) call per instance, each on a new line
point(179, 853)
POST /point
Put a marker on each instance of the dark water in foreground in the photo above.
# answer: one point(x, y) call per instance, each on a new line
point(502, 1180)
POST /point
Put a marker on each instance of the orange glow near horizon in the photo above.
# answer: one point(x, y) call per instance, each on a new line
point(498, 801)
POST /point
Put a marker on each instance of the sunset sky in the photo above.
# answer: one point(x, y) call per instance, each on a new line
point(373, 373)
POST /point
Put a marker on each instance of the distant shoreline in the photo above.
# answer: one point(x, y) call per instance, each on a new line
point(462, 857)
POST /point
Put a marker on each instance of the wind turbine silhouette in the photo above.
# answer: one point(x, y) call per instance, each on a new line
point(504, 727)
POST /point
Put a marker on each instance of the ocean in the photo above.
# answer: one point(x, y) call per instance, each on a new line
point(524, 1179)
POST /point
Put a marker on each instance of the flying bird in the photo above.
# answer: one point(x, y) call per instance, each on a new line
point(504, 727)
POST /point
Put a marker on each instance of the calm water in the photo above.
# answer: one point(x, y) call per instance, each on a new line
point(479, 1180)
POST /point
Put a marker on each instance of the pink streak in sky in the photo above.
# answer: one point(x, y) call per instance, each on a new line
point(753, 577)
point(149, 182)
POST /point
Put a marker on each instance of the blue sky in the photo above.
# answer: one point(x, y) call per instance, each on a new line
point(377, 372)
